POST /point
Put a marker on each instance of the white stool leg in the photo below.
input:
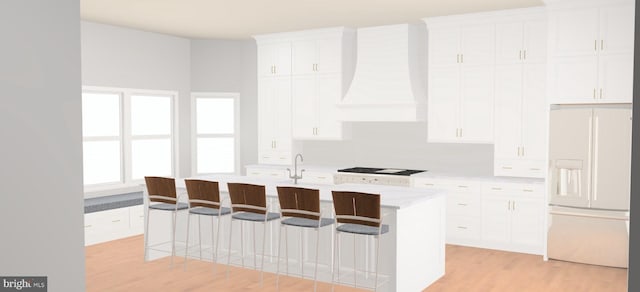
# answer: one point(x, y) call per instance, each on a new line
point(215, 266)
point(315, 272)
point(336, 264)
point(255, 263)
point(355, 275)
point(229, 253)
point(278, 261)
point(200, 236)
point(264, 241)
point(173, 235)
point(186, 251)
point(377, 259)
point(301, 251)
point(213, 247)
point(146, 235)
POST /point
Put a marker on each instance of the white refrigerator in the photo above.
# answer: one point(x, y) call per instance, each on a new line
point(589, 188)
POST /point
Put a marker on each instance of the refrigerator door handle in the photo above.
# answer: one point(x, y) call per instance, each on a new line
point(589, 159)
point(579, 214)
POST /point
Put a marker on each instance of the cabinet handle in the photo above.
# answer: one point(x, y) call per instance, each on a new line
point(496, 189)
point(595, 45)
point(536, 169)
point(601, 93)
point(429, 185)
point(114, 221)
point(461, 204)
point(594, 93)
point(522, 150)
point(274, 174)
point(514, 205)
point(507, 167)
point(520, 56)
point(457, 58)
point(87, 226)
point(322, 177)
point(527, 190)
point(525, 54)
point(461, 132)
point(508, 205)
point(462, 227)
point(518, 151)
point(464, 187)
point(601, 45)
point(461, 61)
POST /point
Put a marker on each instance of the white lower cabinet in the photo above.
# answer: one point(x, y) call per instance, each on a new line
point(271, 172)
point(496, 215)
point(513, 217)
point(113, 224)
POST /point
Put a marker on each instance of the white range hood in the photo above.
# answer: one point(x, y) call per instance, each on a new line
point(389, 83)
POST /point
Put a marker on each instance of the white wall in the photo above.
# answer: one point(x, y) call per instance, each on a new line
point(400, 145)
point(230, 66)
point(114, 56)
point(41, 201)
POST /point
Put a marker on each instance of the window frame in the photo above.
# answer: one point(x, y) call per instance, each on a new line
point(126, 137)
point(235, 96)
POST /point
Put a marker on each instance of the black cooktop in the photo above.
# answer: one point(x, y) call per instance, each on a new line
point(387, 171)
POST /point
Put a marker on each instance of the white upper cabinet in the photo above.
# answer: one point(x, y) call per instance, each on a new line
point(274, 59)
point(317, 56)
point(460, 98)
point(591, 53)
point(317, 83)
point(521, 41)
point(274, 116)
point(520, 91)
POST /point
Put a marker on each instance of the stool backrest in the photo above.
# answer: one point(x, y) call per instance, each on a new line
point(161, 189)
point(299, 202)
point(203, 193)
point(357, 208)
point(247, 198)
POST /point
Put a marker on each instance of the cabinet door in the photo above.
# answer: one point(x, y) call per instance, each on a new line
point(615, 78)
point(535, 41)
point(527, 219)
point(612, 158)
point(282, 59)
point(477, 103)
point(508, 111)
point(329, 56)
point(282, 116)
point(444, 103)
point(573, 79)
point(443, 46)
point(495, 219)
point(304, 56)
point(267, 104)
point(478, 45)
point(574, 32)
point(534, 112)
point(329, 94)
point(266, 59)
point(509, 47)
point(616, 29)
point(304, 108)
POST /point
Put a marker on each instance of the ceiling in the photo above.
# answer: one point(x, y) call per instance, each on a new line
point(240, 19)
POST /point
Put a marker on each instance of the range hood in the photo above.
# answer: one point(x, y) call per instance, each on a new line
point(389, 83)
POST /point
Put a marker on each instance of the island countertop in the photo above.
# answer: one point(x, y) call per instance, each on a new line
point(390, 196)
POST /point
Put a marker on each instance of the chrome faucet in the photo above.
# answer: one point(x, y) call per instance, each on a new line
point(295, 176)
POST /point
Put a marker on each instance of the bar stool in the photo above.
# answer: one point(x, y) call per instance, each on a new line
point(302, 208)
point(358, 214)
point(162, 191)
point(204, 200)
point(249, 204)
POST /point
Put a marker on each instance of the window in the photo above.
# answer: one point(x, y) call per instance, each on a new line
point(127, 135)
point(215, 128)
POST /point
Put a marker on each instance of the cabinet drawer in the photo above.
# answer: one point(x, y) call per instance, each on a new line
point(115, 218)
point(464, 205)
point(446, 184)
point(317, 178)
point(463, 227)
point(514, 189)
point(519, 168)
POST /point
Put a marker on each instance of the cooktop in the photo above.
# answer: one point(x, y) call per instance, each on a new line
point(388, 171)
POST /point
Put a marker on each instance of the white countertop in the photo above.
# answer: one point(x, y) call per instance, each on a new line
point(390, 196)
point(427, 174)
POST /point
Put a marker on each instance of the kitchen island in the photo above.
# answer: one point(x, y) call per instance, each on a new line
point(412, 253)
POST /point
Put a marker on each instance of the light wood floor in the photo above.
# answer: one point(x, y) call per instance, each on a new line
point(119, 266)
